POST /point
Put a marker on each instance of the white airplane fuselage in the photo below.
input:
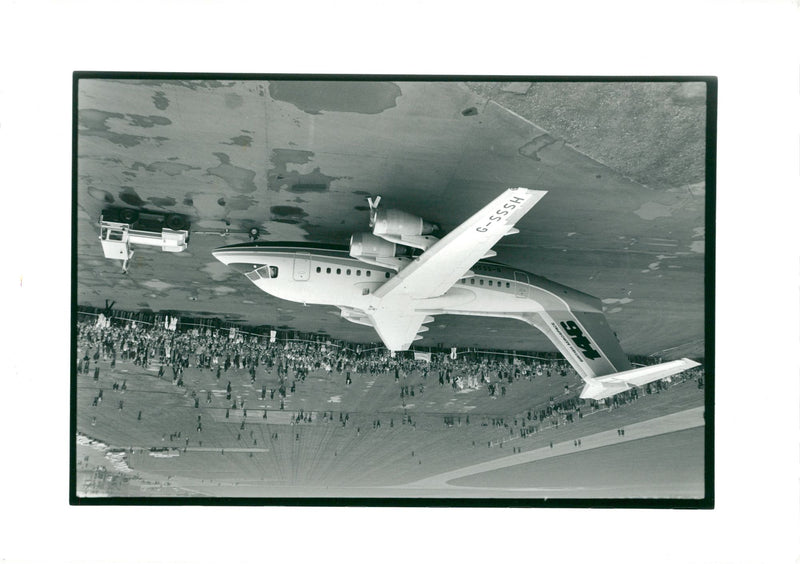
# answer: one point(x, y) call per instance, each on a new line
point(375, 283)
point(327, 275)
point(573, 321)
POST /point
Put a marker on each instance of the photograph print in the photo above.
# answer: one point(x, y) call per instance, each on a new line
point(392, 290)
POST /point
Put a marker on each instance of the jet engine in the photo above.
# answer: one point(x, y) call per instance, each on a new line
point(400, 227)
point(396, 222)
point(368, 248)
point(403, 228)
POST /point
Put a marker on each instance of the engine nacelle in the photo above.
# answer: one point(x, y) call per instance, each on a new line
point(403, 228)
point(367, 245)
point(368, 248)
point(396, 222)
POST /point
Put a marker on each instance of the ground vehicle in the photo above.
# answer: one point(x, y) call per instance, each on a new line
point(120, 228)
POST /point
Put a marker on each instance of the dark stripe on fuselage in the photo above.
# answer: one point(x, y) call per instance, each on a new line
point(483, 268)
point(290, 246)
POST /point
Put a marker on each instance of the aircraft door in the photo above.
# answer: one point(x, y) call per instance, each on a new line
point(302, 266)
point(521, 284)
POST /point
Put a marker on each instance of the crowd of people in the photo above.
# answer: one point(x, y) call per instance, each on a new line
point(175, 346)
point(171, 345)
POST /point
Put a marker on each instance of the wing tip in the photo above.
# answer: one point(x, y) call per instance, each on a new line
point(530, 191)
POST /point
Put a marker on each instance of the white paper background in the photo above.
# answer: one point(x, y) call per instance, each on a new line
point(751, 46)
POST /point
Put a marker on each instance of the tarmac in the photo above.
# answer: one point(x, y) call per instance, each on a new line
point(455, 484)
point(680, 421)
point(155, 441)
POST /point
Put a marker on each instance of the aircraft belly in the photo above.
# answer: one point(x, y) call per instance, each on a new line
point(490, 303)
point(311, 293)
point(293, 293)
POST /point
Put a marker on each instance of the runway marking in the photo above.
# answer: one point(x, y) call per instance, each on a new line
point(539, 127)
point(662, 351)
point(660, 425)
point(515, 114)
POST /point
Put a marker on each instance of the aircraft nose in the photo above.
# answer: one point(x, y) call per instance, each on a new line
point(236, 260)
point(223, 256)
point(243, 267)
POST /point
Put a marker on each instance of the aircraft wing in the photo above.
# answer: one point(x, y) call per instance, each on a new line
point(397, 326)
point(442, 265)
point(585, 340)
point(607, 386)
point(589, 345)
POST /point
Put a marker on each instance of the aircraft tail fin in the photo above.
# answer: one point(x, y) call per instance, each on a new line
point(611, 384)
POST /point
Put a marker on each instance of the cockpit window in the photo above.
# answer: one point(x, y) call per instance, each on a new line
point(265, 271)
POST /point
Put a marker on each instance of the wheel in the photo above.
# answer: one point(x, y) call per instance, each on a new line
point(175, 222)
point(128, 215)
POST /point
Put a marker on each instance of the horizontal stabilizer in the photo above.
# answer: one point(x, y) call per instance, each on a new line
point(607, 386)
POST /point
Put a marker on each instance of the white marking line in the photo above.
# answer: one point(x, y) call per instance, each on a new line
point(529, 122)
point(662, 351)
point(660, 425)
point(515, 114)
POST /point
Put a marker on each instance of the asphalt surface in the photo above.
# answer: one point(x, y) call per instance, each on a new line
point(153, 443)
point(666, 424)
point(298, 159)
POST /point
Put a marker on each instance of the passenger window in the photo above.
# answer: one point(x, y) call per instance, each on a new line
point(369, 273)
point(490, 282)
point(508, 284)
point(472, 281)
point(338, 271)
point(319, 269)
point(387, 275)
point(358, 273)
point(273, 271)
point(481, 282)
point(348, 272)
point(328, 270)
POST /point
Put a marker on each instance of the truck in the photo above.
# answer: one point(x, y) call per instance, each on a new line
point(121, 228)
